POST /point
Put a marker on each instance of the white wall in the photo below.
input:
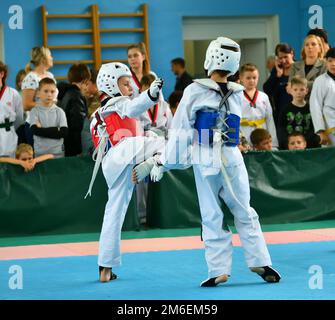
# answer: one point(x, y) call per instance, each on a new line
point(257, 36)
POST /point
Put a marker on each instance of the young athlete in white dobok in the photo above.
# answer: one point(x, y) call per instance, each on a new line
point(11, 115)
point(211, 109)
point(120, 144)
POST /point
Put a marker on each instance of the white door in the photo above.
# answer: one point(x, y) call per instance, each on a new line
point(254, 51)
point(258, 37)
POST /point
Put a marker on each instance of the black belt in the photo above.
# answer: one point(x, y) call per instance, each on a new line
point(7, 124)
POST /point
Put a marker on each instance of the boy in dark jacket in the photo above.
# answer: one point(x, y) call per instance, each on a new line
point(74, 104)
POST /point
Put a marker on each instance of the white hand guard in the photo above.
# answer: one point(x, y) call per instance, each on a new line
point(156, 173)
point(155, 86)
point(143, 169)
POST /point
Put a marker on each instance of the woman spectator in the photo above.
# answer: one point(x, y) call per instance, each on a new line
point(139, 65)
point(42, 61)
point(322, 33)
point(312, 64)
point(275, 86)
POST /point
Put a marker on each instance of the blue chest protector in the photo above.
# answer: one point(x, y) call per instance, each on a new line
point(232, 135)
point(222, 119)
point(206, 121)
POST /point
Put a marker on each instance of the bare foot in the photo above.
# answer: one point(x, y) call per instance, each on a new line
point(105, 275)
point(221, 279)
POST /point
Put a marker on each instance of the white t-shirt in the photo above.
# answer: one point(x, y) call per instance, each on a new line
point(32, 79)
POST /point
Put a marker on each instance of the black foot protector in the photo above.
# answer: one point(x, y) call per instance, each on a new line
point(213, 282)
point(268, 274)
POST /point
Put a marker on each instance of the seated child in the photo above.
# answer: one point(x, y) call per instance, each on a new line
point(25, 157)
point(261, 140)
point(296, 141)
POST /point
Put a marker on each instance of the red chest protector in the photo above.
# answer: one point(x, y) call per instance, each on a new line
point(118, 128)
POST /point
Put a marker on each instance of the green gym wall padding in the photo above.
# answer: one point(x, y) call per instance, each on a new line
point(286, 187)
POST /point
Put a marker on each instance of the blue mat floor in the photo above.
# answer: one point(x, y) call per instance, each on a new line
point(175, 275)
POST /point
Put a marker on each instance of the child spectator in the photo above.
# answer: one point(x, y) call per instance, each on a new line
point(323, 102)
point(174, 100)
point(93, 103)
point(25, 157)
point(296, 116)
point(75, 106)
point(296, 141)
point(312, 64)
point(256, 108)
point(18, 80)
point(48, 122)
point(11, 115)
point(261, 140)
point(158, 117)
point(275, 85)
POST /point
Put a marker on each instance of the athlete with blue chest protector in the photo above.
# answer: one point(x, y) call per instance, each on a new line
point(210, 113)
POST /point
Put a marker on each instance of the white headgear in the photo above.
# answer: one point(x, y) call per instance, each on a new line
point(222, 54)
point(108, 76)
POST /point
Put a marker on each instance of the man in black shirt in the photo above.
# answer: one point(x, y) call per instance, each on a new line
point(183, 78)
